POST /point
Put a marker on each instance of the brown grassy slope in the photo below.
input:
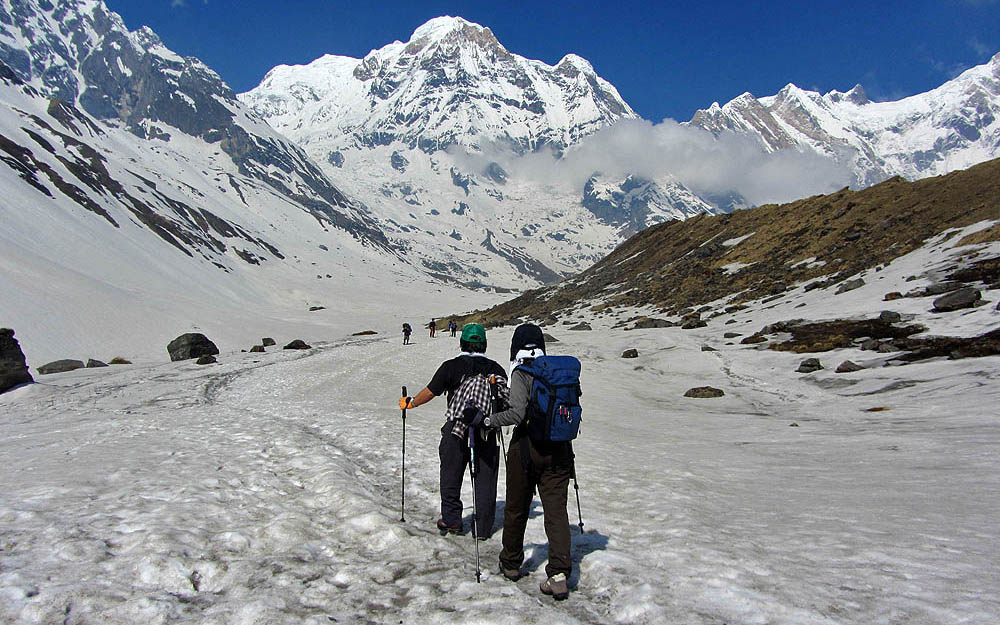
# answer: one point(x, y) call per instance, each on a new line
point(678, 264)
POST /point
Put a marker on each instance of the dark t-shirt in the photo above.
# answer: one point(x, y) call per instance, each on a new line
point(451, 372)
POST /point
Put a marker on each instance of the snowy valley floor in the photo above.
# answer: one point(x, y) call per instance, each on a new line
point(266, 489)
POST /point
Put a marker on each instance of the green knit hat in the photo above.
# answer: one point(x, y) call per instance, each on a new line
point(473, 333)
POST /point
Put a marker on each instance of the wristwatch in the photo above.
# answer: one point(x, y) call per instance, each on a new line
point(486, 421)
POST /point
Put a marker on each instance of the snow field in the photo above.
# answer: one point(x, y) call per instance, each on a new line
point(266, 489)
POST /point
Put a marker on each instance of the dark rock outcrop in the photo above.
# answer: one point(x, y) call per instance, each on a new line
point(118, 360)
point(267, 342)
point(630, 353)
point(731, 335)
point(823, 336)
point(298, 344)
point(848, 367)
point(13, 368)
point(704, 392)
point(256, 349)
point(365, 333)
point(889, 316)
point(549, 338)
point(191, 345)
point(850, 285)
point(91, 363)
point(809, 365)
point(953, 348)
point(206, 360)
point(582, 326)
point(649, 322)
point(957, 300)
point(61, 366)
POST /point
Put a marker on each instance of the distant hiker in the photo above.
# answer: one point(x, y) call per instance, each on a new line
point(453, 327)
point(433, 326)
point(533, 461)
point(407, 330)
point(466, 379)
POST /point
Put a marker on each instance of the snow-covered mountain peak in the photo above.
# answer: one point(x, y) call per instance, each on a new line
point(454, 31)
point(857, 95)
point(951, 127)
point(452, 83)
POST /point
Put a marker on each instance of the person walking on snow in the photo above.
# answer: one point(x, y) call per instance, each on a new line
point(465, 378)
point(433, 326)
point(530, 464)
point(407, 330)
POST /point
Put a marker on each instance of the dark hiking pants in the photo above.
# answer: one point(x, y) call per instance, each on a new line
point(550, 473)
point(454, 453)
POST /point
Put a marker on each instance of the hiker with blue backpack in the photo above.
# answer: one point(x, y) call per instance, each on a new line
point(466, 379)
point(545, 408)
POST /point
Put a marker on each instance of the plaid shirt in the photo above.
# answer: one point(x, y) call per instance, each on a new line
point(475, 389)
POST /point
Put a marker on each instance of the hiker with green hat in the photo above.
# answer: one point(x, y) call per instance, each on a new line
point(466, 379)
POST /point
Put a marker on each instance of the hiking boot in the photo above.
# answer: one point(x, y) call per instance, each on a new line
point(511, 574)
point(444, 528)
point(555, 586)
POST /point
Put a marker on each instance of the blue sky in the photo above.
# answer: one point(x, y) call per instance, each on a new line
point(667, 59)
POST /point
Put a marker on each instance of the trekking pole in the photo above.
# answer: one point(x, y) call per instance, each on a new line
point(472, 473)
point(503, 446)
point(576, 487)
point(495, 395)
point(402, 488)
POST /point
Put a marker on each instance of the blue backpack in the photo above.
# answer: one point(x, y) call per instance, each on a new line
point(554, 401)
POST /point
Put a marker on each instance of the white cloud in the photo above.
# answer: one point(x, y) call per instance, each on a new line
point(692, 156)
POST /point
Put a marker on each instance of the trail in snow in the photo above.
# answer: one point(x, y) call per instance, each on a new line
point(266, 489)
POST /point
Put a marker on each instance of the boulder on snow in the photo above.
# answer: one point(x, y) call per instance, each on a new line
point(257, 349)
point(956, 300)
point(630, 353)
point(13, 368)
point(191, 345)
point(753, 338)
point(206, 360)
point(850, 285)
point(731, 335)
point(365, 333)
point(582, 326)
point(91, 363)
point(118, 360)
point(298, 344)
point(848, 367)
point(889, 316)
point(869, 345)
point(650, 322)
point(549, 338)
point(809, 365)
point(708, 348)
point(704, 392)
point(61, 366)
point(267, 342)
point(941, 288)
point(894, 295)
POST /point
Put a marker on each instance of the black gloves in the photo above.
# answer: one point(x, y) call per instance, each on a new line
point(472, 416)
